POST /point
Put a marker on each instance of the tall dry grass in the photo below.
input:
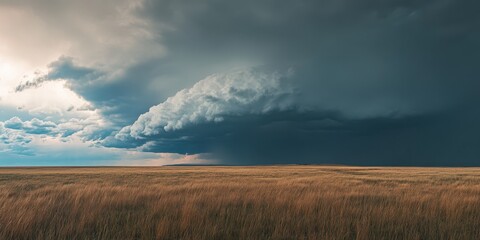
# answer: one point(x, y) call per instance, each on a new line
point(284, 202)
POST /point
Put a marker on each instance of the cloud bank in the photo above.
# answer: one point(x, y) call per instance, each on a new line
point(253, 82)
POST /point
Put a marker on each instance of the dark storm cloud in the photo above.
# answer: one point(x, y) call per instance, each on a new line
point(342, 81)
point(366, 58)
point(438, 140)
point(409, 51)
point(394, 80)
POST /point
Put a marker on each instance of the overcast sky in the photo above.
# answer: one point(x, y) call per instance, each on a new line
point(152, 82)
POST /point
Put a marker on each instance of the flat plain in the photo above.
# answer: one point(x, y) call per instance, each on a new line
point(263, 202)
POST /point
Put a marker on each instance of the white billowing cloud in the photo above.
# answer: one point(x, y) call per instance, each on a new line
point(8, 136)
point(14, 123)
point(16, 134)
point(13, 141)
point(34, 126)
point(82, 127)
point(238, 93)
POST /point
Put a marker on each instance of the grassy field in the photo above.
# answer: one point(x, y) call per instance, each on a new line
point(274, 202)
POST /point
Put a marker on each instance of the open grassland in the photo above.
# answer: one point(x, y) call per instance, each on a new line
point(274, 202)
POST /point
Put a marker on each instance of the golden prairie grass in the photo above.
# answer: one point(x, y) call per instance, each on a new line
point(274, 202)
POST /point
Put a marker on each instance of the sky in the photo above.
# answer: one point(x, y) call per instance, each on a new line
point(160, 82)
